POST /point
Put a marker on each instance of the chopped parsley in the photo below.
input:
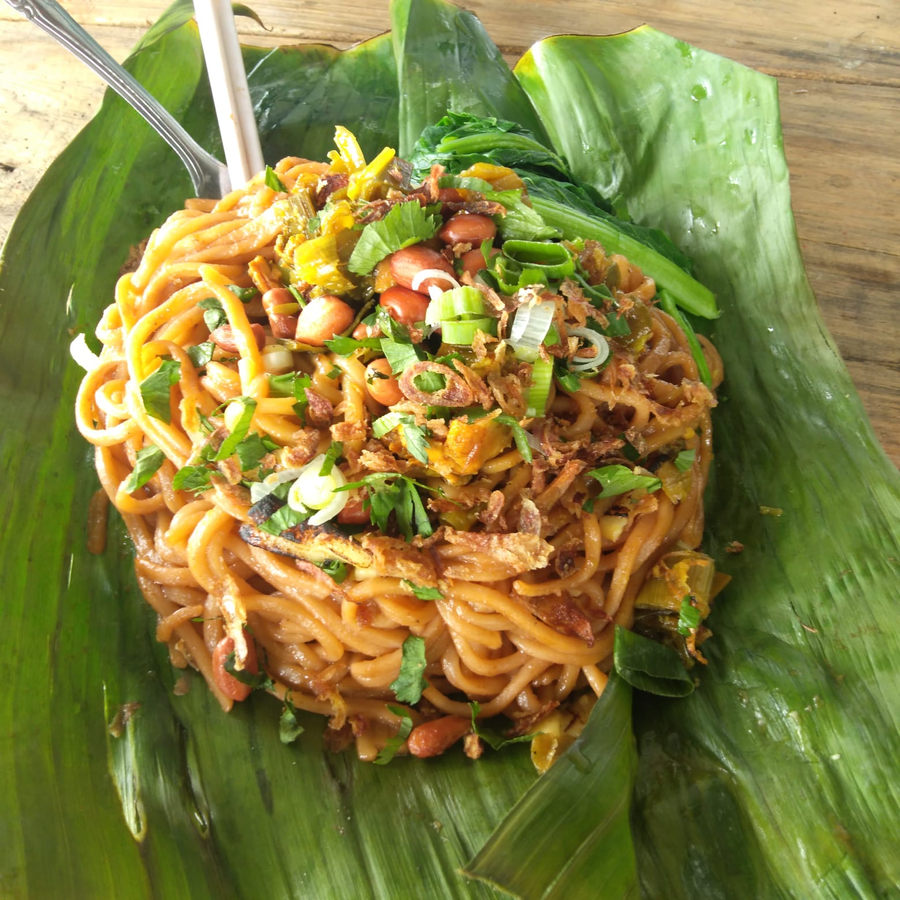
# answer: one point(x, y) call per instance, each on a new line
point(156, 390)
point(406, 224)
point(251, 450)
point(410, 682)
point(284, 519)
point(396, 742)
point(335, 568)
point(292, 384)
point(423, 593)
point(148, 461)
point(402, 356)
point(345, 346)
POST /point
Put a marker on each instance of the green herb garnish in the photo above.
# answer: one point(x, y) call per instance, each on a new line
point(410, 683)
point(148, 461)
point(156, 390)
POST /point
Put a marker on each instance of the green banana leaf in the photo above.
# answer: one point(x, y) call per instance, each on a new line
point(777, 777)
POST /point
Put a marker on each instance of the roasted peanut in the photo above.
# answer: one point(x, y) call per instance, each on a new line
point(473, 261)
point(322, 319)
point(433, 738)
point(223, 337)
point(381, 383)
point(404, 305)
point(354, 513)
point(407, 263)
point(467, 228)
point(284, 325)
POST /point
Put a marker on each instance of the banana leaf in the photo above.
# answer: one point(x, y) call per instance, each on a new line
point(777, 777)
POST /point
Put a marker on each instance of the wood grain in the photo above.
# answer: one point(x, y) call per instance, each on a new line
point(838, 69)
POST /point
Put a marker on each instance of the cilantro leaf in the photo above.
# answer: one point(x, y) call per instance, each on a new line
point(245, 295)
point(396, 742)
point(405, 224)
point(215, 313)
point(688, 617)
point(491, 737)
point(292, 384)
point(273, 181)
point(148, 461)
point(201, 354)
point(620, 480)
point(331, 457)
point(289, 729)
point(242, 426)
point(409, 684)
point(423, 593)
point(685, 460)
point(156, 390)
point(192, 478)
point(259, 681)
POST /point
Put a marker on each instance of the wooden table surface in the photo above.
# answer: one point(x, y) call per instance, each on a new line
point(838, 67)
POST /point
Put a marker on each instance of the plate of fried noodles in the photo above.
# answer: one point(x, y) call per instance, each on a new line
point(462, 507)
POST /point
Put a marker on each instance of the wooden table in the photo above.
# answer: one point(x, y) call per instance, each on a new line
point(838, 67)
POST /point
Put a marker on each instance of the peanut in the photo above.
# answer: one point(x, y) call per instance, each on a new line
point(467, 228)
point(433, 738)
point(407, 263)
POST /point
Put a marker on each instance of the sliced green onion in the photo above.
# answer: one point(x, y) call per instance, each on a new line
point(464, 332)
point(552, 259)
point(459, 303)
point(530, 327)
point(539, 392)
point(312, 491)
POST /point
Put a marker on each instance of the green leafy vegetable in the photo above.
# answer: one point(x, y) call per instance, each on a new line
point(620, 480)
point(201, 354)
point(389, 751)
point(521, 222)
point(667, 304)
point(401, 356)
point(410, 682)
point(405, 224)
point(156, 390)
point(650, 666)
point(241, 427)
point(214, 315)
point(273, 181)
point(289, 728)
point(147, 462)
point(422, 592)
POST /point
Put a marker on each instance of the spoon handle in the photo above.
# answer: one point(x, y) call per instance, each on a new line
point(209, 176)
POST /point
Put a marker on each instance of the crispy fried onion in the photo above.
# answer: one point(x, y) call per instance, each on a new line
point(455, 391)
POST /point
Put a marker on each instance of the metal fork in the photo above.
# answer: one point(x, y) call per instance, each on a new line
point(209, 176)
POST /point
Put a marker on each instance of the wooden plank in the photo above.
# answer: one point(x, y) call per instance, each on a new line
point(839, 77)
